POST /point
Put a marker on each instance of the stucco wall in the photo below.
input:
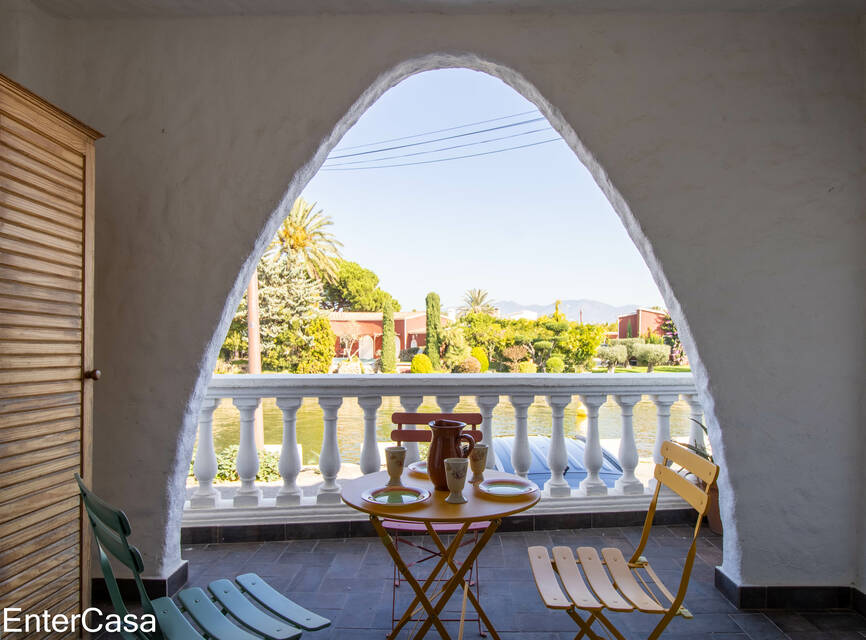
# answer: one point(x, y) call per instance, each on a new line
point(728, 137)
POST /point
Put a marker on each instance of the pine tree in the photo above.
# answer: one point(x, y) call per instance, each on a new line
point(434, 320)
point(389, 364)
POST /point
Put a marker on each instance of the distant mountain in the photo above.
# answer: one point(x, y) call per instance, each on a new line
point(594, 312)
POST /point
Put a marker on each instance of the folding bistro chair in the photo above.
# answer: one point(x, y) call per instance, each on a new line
point(621, 587)
point(214, 612)
point(401, 529)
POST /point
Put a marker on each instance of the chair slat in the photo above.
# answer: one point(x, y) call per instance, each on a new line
point(599, 580)
point(228, 595)
point(423, 419)
point(685, 489)
point(113, 518)
point(702, 468)
point(172, 622)
point(624, 580)
point(209, 618)
point(424, 435)
point(545, 579)
point(117, 546)
point(273, 600)
point(574, 583)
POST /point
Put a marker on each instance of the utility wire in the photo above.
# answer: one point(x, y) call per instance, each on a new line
point(454, 146)
point(429, 133)
point(416, 144)
point(472, 155)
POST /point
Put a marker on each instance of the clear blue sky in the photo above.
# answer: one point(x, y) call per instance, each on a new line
point(528, 225)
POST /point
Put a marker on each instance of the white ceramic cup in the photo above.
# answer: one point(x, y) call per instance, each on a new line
point(395, 458)
point(455, 476)
point(477, 462)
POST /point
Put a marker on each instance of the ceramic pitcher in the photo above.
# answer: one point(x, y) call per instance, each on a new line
point(447, 436)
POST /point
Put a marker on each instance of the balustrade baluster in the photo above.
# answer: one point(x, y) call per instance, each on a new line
point(329, 458)
point(370, 458)
point(290, 461)
point(447, 403)
point(557, 454)
point(487, 404)
point(627, 483)
point(248, 495)
point(696, 434)
point(410, 405)
point(663, 402)
point(521, 456)
point(593, 485)
point(205, 466)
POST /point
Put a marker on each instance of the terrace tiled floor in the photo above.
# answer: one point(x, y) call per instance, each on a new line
point(348, 581)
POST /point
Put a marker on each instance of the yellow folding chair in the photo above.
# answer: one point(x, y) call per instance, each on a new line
point(596, 584)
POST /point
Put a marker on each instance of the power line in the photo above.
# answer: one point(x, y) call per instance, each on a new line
point(455, 146)
point(429, 133)
point(416, 144)
point(472, 155)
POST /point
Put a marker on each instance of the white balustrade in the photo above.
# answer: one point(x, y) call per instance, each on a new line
point(557, 454)
point(205, 467)
point(627, 483)
point(370, 459)
point(521, 456)
point(593, 459)
point(248, 495)
point(247, 392)
point(696, 434)
point(487, 404)
point(290, 460)
point(329, 458)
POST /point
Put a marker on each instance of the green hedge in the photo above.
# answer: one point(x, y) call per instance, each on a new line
point(478, 354)
point(227, 471)
point(421, 364)
point(554, 364)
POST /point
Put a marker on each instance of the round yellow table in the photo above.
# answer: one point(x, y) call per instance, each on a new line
point(478, 507)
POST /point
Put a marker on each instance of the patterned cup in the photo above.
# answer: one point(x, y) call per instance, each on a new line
point(477, 461)
point(455, 476)
point(395, 458)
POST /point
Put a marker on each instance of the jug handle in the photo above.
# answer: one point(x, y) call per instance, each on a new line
point(469, 440)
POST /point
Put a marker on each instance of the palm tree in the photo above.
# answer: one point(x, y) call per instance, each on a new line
point(304, 236)
point(301, 236)
point(476, 301)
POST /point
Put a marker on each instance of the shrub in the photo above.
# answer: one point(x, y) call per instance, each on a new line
point(513, 355)
point(469, 365)
point(407, 354)
point(478, 354)
point(453, 347)
point(526, 367)
point(652, 354)
point(389, 364)
point(612, 356)
point(434, 322)
point(421, 364)
point(554, 364)
point(630, 345)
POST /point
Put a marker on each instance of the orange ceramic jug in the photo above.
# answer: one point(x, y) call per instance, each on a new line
point(445, 443)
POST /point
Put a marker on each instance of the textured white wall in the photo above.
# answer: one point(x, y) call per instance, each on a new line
point(730, 138)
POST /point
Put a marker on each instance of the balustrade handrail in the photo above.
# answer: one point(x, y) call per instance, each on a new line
point(431, 384)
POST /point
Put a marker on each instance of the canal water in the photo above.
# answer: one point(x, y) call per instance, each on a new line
point(350, 424)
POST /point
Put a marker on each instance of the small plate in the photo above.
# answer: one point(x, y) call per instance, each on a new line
point(395, 496)
point(506, 488)
point(419, 468)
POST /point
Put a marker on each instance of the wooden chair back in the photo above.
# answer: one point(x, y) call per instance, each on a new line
point(401, 435)
point(696, 496)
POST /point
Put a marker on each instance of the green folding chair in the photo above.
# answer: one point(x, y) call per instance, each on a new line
point(215, 613)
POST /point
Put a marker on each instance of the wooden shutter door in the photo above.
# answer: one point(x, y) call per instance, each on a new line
point(46, 329)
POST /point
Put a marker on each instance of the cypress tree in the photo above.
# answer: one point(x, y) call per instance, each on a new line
point(434, 320)
point(389, 364)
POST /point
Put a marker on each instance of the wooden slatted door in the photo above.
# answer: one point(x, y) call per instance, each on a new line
point(46, 276)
